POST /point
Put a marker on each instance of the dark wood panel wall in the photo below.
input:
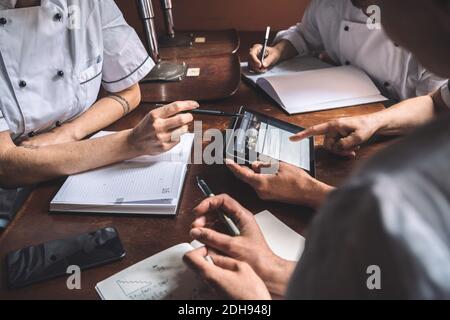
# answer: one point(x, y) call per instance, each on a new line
point(244, 15)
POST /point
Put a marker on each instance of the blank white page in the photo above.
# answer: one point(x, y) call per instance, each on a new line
point(291, 66)
point(284, 241)
point(321, 89)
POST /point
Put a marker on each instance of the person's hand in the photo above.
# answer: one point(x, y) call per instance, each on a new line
point(59, 135)
point(250, 247)
point(273, 55)
point(235, 279)
point(162, 128)
point(289, 184)
point(344, 136)
point(283, 50)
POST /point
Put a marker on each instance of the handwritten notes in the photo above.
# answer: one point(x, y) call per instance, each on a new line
point(165, 276)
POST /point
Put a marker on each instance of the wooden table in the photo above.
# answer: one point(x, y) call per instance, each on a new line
point(145, 236)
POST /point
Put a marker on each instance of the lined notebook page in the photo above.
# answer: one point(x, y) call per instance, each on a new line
point(123, 182)
point(164, 276)
point(143, 179)
point(180, 153)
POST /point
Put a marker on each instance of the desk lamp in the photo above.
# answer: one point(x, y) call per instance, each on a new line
point(172, 39)
point(163, 71)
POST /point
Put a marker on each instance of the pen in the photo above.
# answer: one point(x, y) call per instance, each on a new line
point(266, 41)
point(214, 113)
point(226, 219)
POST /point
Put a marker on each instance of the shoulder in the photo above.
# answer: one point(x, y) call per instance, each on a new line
point(330, 4)
point(329, 9)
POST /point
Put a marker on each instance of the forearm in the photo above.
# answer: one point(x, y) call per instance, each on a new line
point(319, 194)
point(405, 116)
point(103, 113)
point(21, 166)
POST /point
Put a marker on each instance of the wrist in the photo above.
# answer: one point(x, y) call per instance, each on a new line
point(73, 131)
point(285, 50)
point(318, 192)
point(277, 274)
point(132, 144)
point(378, 122)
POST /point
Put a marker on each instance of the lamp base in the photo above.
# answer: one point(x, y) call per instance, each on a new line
point(179, 40)
point(167, 72)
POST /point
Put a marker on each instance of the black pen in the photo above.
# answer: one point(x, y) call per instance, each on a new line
point(266, 41)
point(234, 230)
point(214, 113)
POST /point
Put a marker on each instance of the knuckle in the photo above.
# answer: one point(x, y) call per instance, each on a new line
point(157, 125)
point(230, 247)
point(241, 266)
point(206, 234)
point(188, 256)
point(178, 105)
point(208, 276)
point(225, 197)
point(336, 123)
point(263, 195)
point(188, 118)
point(160, 137)
point(358, 138)
point(152, 115)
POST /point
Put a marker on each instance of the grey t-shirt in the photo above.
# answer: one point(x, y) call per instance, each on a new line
point(394, 214)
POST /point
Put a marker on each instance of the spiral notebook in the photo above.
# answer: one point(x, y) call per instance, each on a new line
point(144, 185)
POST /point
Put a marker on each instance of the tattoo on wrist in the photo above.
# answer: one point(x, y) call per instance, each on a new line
point(122, 101)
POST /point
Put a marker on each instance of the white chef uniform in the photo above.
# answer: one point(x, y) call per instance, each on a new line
point(52, 67)
point(53, 59)
point(445, 93)
point(386, 233)
point(340, 29)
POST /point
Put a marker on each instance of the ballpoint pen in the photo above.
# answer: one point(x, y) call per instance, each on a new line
point(234, 230)
point(266, 41)
point(214, 113)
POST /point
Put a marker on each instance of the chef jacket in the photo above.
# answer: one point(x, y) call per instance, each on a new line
point(386, 233)
point(445, 93)
point(341, 30)
point(54, 58)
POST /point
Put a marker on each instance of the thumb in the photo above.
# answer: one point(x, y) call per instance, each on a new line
point(270, 60)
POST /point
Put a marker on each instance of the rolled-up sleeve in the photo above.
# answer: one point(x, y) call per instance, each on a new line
point(305, 36)
point(3, 124)
point(126, 61)
point(428, 82)
point(445, 93)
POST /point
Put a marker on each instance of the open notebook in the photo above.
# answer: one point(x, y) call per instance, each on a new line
point(306, 84)
point(165, 276)
point(144, 185)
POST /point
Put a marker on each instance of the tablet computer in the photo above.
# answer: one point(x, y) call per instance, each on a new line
point(257, 137)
